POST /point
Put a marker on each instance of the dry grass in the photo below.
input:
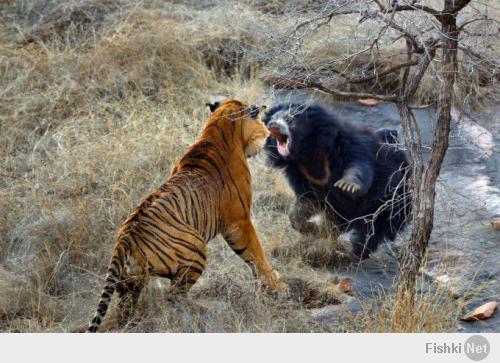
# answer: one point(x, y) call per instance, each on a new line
point(97, 100)
point(430, 310)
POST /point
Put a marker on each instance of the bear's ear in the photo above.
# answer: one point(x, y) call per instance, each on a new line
point(213, 105)
point(255, 110)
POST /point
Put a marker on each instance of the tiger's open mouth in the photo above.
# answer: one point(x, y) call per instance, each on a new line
point(282, 140)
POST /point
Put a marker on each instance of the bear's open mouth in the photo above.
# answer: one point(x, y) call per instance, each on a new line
point(282, 140)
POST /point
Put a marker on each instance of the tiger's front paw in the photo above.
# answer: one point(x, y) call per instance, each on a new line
point(348, 186)
point(274, 283)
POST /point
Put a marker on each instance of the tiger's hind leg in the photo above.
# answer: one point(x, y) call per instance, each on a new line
point(185, 278)
point(191, 264)
point(129, 287)
point(129, 291)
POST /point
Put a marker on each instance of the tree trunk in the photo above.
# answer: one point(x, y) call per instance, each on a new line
point(424, 183)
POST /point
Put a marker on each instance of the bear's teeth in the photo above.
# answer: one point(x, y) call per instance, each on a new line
point(283, 148)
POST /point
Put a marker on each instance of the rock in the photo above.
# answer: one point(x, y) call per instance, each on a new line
point(327, 315)
point(344, 285)
point(443, 278)
point(331, 314)
point(353, 306)
point(496, 224)
point(369, 101)
point(482, 312)
point(316, 219)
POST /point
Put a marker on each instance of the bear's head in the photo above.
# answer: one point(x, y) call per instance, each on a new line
point(299, 129)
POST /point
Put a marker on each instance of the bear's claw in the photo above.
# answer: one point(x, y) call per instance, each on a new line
point(348, 186)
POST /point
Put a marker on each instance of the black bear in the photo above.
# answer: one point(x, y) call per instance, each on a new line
point(357, 176)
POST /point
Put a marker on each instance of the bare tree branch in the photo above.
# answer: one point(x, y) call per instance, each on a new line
point(454, 6)
point(464, 24)
point(326, 18)
point(480, 57)
point(418, 45)
point(308, 83)
point(380, 5)
point(354, 95)
point(384, 73)
point(414, 7)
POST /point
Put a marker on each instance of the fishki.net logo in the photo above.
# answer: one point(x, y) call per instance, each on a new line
point(475, 348)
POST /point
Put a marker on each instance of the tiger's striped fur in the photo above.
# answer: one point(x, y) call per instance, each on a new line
point(207, 193)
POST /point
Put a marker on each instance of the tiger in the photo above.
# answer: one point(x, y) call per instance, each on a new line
point(207, 193)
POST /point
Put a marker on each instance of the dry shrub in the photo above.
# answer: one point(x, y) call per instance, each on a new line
point(429, 309)
point(346, 48)
point(45, 86)
point(24, 305)
point(67, 22)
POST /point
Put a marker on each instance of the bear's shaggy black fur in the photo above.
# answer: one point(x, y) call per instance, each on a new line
point(357, 176)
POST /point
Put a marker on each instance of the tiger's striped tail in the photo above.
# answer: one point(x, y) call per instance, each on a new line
point(112, 278)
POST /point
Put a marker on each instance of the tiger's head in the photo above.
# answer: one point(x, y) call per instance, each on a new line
point(242, 121)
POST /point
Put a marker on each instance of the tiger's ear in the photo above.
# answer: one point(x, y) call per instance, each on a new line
point(213, 106)
point(255, 110)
